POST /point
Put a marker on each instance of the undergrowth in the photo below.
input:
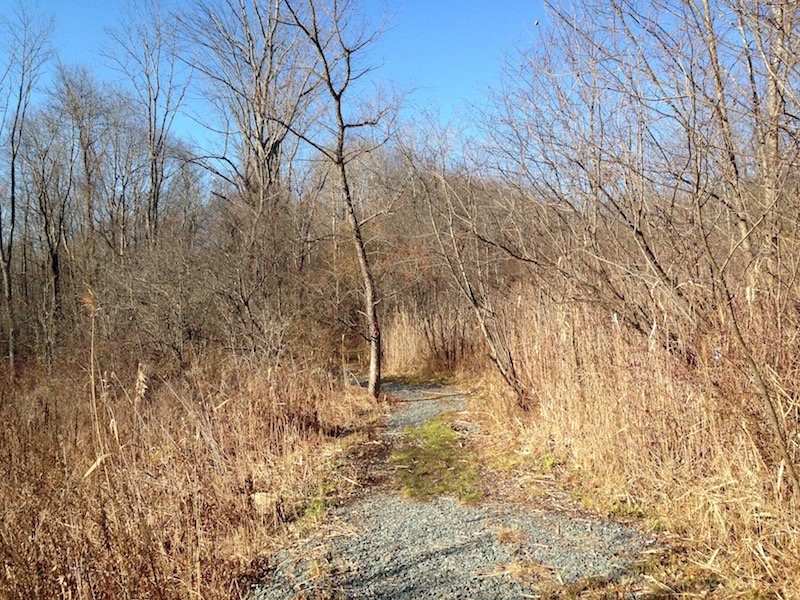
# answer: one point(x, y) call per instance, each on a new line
point(674, 438)
point(160, 488)
point(419, 379)
point(638, 433)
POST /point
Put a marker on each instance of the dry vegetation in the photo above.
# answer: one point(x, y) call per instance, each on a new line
point(614, 256)
point(626, 240)
point(637, 432)
point(682, 445)
point(159, 488)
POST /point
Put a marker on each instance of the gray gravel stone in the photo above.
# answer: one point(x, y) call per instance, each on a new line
point(406, 549)
point(403, 549)
point(443, 549)
point(423, 403)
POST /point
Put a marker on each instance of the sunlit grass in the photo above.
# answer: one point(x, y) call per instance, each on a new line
point(186, 490)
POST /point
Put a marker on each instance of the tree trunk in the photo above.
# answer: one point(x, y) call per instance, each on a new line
point(370, 295)
point(11, 329)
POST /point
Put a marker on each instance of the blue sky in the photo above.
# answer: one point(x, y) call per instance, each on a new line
point(449, 51)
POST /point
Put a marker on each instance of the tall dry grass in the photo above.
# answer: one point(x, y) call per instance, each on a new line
point(169, 489)
point(404, 346)
point(433, 342)
point(679, 439)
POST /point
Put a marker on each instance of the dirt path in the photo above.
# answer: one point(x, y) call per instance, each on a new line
point(384, 545)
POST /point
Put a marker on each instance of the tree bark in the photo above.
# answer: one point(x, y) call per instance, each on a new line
point(11, 329)
point(370, 292)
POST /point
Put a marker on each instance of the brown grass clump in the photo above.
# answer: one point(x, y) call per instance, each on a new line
point(176, 491)
point(648, 434)
point(510, 535)
point(404, 344)
point(433, 343)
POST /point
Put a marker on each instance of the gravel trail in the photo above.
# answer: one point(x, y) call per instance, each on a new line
point(422, 403)
point(387, 546)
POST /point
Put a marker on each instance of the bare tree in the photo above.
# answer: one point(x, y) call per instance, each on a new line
point(259, 79)
point(339, 43)
point(50, 154)
point(26, 45)
point(124, 185)
point(79, 94)
point(146, 53)
point(656, 144)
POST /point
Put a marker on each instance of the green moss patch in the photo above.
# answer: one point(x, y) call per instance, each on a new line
point(418, 379)
point(429, 461)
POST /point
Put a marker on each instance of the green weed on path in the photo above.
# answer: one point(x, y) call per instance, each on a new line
point(430, 461)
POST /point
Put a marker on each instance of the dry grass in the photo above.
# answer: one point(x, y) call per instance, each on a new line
point(429, 346)
point(404, 345)
point(647, 435)
point(510, 535)
point(178, 489)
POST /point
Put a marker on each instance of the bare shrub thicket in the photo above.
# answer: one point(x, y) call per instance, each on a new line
point(459, 200)
point(429, 328)
point(429, 325)
point(662, 168)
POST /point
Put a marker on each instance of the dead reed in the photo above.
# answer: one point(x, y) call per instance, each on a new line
point(430, 343)
point(404, 344)
point(175, 492)
point(678, 440)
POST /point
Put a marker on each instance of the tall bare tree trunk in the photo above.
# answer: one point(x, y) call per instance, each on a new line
point(30, 35)
point(11, 328)
point(370, 293)
point(334, 42)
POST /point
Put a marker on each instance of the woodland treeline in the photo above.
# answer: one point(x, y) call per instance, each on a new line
point(632, 175)
point(180, 245)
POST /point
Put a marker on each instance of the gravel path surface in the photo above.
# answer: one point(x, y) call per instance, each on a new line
point(387, 546)
point(422, 403)
point(442, 548)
